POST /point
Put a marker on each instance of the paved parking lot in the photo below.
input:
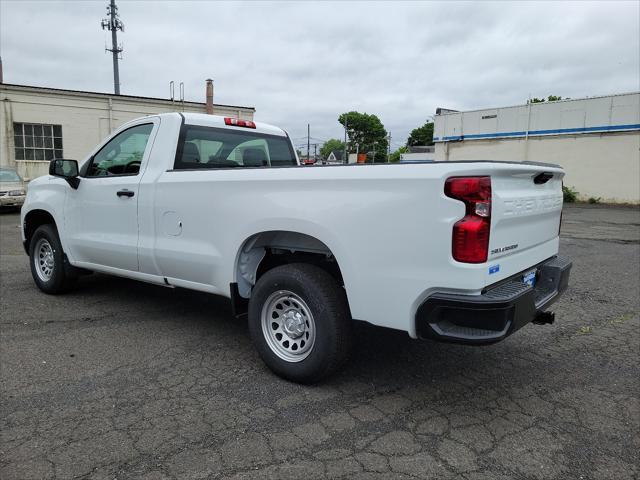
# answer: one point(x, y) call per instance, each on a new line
point(120, 379)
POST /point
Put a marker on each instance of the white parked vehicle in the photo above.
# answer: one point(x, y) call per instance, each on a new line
point(453, 251)
point(12, 188)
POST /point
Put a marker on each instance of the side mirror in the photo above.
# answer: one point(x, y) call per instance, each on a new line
point(67, 169)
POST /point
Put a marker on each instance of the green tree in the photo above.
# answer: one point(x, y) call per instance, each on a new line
point(395, 156)
point(550, 98)
point(367, 131)
point(421, 136)
point(331, 145)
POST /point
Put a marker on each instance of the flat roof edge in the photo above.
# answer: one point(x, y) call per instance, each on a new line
point(546, 102)
point(113, 95)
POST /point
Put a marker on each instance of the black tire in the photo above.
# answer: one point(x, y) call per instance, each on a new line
point(329, 309)
point(59, 280)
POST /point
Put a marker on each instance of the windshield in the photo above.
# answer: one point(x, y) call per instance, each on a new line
point(9, 176)
point(206, 147)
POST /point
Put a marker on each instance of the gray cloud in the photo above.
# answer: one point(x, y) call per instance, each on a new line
point(300, 62)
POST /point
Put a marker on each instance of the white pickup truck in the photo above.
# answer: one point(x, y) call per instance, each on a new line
point(452, 251)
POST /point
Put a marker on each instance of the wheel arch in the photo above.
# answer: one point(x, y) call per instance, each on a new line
point(264, 250)
point(34, 219)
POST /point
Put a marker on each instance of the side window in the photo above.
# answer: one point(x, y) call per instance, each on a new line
point(123, 154)
point(208, 147)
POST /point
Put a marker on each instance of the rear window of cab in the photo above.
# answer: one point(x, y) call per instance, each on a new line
point(211, 147)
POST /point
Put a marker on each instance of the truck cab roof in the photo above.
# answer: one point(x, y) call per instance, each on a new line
point(206, 120)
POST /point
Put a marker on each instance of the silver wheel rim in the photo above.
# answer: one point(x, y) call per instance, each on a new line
point(43, 259)
point(288, 326)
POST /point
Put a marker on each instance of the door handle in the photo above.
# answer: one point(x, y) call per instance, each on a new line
point(125, 193)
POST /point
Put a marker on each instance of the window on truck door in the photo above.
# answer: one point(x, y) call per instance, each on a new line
point(207, 147)
point(123, 154)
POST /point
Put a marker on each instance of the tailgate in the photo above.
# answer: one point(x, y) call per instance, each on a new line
point(526, 209)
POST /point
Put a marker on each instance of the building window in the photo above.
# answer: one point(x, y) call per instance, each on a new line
point(35, 141)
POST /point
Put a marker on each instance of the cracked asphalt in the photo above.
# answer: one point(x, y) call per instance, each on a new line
point(119, 380)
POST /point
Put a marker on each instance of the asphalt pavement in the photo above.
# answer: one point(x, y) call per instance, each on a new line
point(120, 379)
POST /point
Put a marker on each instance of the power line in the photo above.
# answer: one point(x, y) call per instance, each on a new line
point(304, 145)
point(321, 140)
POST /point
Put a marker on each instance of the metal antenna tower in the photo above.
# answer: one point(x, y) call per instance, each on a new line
point(113, 24)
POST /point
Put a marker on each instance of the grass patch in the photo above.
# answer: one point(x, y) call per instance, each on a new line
point(621, 319)
point(585, 330)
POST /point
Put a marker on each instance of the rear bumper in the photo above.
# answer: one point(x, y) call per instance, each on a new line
point(497, 312)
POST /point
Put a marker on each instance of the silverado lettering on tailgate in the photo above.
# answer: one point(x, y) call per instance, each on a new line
point(504, 249)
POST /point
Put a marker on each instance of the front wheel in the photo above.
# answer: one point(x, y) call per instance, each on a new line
point(299, 322)
point(47, 261)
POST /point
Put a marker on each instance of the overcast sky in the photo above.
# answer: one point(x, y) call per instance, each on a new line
point(304, 62)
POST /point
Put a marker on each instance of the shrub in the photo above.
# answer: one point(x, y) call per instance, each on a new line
point(570, 195)
point(594, 199)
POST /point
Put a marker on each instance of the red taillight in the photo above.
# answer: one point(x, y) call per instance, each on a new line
point(471, 239)
point(239, 123)
point(470, 242)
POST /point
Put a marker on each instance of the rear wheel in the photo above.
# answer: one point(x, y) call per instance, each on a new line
point(299, 322)
point(47, 261)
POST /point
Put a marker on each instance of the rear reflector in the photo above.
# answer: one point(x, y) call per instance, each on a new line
point(470, 238)
point(239, 123)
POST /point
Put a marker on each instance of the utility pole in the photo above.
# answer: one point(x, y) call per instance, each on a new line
point(308, 140)
point(315, 148)
point(113, 24)
point(389, 147)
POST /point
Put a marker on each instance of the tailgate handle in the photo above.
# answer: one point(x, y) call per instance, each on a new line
point(543, 177)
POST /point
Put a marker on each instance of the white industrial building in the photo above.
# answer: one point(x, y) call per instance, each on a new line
point(595, 139)
point(38, 124)
point(419, 153)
